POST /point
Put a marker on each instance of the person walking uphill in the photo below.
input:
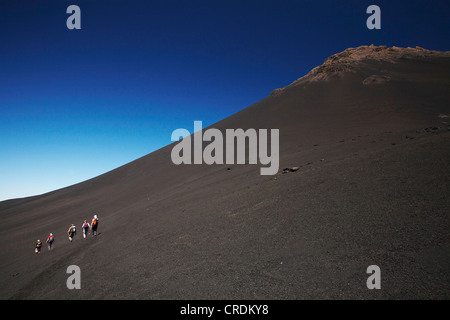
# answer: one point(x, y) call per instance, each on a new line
point(38, 247)
point(50, 240)
point(86, 226)
point(94, 225)
point(71, 232)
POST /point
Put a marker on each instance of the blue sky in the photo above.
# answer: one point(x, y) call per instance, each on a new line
point(77, 103)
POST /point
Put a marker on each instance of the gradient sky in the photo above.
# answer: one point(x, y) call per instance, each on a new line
point(77, 103)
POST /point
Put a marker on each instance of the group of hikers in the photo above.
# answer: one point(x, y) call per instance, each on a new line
point(71, 233)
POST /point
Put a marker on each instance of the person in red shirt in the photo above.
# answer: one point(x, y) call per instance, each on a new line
point(50, 240)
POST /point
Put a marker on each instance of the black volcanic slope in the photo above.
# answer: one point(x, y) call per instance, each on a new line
point(369, 131)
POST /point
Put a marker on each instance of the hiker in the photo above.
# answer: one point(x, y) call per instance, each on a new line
point(50, 240)
point(94, 225)
point(38, 247)
point(71, 232)
point(85, 227)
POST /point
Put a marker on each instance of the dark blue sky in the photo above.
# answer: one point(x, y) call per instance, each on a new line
point(77, 103)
